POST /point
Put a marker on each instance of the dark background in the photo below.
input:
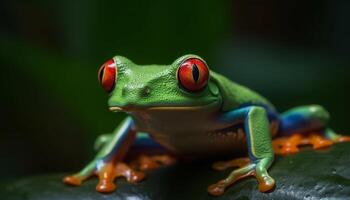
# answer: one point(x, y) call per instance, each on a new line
point(52, 107)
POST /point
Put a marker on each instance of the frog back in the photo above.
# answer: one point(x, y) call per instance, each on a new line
point(235, 95)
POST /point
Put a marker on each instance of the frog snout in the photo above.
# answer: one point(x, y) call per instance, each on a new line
point(136, 91)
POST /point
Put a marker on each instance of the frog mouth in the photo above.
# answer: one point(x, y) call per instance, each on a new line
point(155, 108)
point(135, 108)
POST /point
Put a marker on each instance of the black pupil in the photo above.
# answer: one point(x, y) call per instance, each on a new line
point(101, 73)
point(195, 72)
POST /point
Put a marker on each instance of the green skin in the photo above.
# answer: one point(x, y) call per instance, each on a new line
point(192, 123)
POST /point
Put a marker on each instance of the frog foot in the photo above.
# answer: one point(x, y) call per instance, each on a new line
point(283, 146)
point(107, 172)
point(337, 138)
point(258, 169)
point(145, 162)
point(342, 139)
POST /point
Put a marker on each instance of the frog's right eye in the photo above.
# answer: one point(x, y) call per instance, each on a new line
point(107, 75)
point(193, 74)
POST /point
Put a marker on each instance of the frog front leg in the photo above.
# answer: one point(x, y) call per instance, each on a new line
point(107, 164)
point(257, 132)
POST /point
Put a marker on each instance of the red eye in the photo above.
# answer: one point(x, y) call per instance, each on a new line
point(107, 75)
point(193, 74)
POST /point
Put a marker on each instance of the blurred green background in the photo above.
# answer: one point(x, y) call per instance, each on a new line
point(52, 107)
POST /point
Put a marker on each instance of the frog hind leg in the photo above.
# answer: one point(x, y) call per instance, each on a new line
point(305, 125)
point(257, 132)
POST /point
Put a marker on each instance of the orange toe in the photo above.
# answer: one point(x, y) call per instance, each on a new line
point(72, 180)
point(284, 146)
point(266, 184)
point(136, 177)
point(343, 139)
point(105, 186)
point(319, 142)
point(292, 144)
point(151, 162)
point(217, 189)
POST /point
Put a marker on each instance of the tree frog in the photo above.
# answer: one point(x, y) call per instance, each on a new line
point(191, 110)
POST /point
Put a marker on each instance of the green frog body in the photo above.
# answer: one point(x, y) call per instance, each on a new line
point(191, 110)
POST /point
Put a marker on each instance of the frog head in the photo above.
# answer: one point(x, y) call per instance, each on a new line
point(184, 84)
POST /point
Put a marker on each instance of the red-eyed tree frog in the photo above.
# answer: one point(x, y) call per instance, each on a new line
point(191, 110)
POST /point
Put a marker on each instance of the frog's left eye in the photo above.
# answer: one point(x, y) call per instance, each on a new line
point(193, 74)
point(107, 75)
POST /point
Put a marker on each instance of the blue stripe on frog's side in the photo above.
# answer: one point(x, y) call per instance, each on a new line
point(144, 140)
point(303, 119)
point(271, 112)
point(242, 114)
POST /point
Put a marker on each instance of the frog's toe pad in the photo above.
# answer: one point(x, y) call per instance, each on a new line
point(105, 186)
point(266, 183)
point(131, 175)
point(343, 139)
point(135, 177)
point(217, 189)
point(73, 180)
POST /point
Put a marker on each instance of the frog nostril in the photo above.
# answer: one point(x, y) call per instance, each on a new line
point(124, 91)
point(146, 91)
